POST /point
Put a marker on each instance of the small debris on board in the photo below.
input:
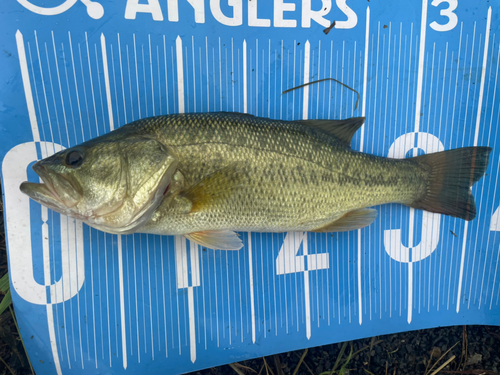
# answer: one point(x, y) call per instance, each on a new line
point(329, 28)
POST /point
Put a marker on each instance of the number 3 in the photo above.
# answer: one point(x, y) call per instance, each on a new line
point(448, 12)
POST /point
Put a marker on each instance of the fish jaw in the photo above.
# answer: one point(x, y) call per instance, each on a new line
point(55, 192)
point(45, 194)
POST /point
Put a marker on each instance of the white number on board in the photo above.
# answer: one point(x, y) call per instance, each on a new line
point(21, 240)
point(430, 222)
point(289, 262)
point(447, 12)
point(495, 221)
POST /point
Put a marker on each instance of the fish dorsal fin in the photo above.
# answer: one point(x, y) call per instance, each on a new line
point(234, 113)
point(350, 221)
point(341, 129)
point(216, 239)
point(214, 188)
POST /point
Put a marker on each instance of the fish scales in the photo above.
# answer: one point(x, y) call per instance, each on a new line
point(291, 176)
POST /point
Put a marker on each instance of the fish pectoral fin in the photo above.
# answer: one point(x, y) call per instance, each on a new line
point(216, 239)
point(341, 129)
point(350, 221)
point(214, 188)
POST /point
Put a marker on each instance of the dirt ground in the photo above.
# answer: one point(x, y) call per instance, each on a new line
point(474, 350)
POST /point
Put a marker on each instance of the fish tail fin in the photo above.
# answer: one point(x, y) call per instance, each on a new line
point(452, 174)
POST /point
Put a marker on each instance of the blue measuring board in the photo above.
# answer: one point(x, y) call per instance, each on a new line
point(427, 74)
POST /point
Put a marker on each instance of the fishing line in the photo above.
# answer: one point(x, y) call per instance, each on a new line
point(323, 80)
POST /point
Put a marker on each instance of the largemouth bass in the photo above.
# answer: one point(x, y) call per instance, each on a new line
point(206, 176)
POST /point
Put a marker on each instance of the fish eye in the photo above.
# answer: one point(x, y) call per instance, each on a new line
point(74, 158)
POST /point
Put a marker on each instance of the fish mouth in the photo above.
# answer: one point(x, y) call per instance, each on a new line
point(55, 192)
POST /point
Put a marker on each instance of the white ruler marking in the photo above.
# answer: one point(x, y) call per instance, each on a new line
point(263, 317)
point(149, 299)
point(476, 134)
point(163, 298)
point(121, 77)
point(245, 99)
point(342, 77)
point(60, 88)
point(106, 82)
point(192, 325)
point(44, 155)
point(220, 78)
point(91, 84)
point(134, 257)
point(151, 73)
point(293, 76)
point(52, 337)
point(136, 77)
point(70, 100)
point(107, 298)
point(307, 294)
point(27, 86)
point(115, 78)
point(269, 81)
point(462, 259)
point(420, 74)
point(99, 91)
point(319, 77)
point(159, 77)
point(418, 105)
point(180, 73)
point(76, 84)
point(156, 295)
point(410, 292)
point(256, 112)
point(146, 100)
point(363, 112)
point(99, 288)
point(483, 76)
point(443, 80)
point(374, 101)
point(307, 56)
point(250, 275)
point(241, 299)
point(482, 188)
point(194, 73)
point(476, 137)
point(488, 284)
point(207, 75)
point(122, 303)
point(92, 297)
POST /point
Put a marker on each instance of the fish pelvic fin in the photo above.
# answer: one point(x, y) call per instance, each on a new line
point(214, 188)
point(356, 219)
point(216, 239)
point(344, 130)
point(452, 174)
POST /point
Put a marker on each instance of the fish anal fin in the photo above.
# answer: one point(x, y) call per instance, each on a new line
point(350, 221)
point(216, 239)
point(344, 130)
point(214, 188)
